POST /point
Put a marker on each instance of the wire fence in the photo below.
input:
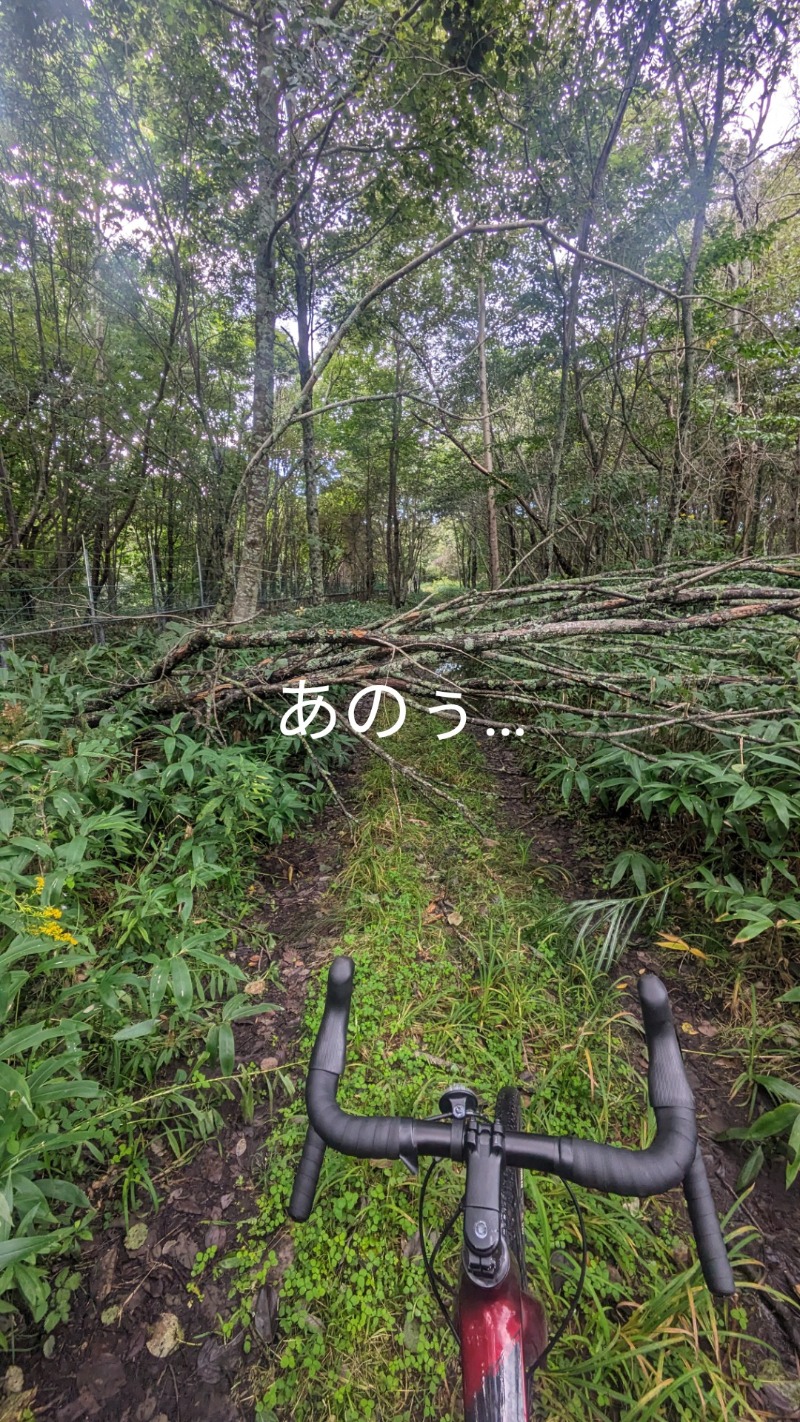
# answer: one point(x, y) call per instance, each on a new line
point(38, 601)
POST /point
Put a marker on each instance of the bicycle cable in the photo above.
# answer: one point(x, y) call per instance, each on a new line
point(436, 1284)
point(428, 1261)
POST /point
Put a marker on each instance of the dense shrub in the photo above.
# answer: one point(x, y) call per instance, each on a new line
point(125, 855)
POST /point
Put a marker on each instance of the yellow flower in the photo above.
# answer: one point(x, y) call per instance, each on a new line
point(52, 930)
point(42, 921)
point(39, 884)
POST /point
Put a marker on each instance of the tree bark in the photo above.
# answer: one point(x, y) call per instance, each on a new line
point(572, 298)
point(394, 575)
point(702, 176)
point(302, 294)
point(369, 569)
point(682, 453)
point(486, 426)
point(257, 487)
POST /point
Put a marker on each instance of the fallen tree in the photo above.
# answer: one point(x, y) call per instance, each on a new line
point(595, 639)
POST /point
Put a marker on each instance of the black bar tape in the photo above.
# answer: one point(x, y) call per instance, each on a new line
point(666, 1076)
point(307, 1177)
point(711, 1250)
point(367, 1137)
point(330, 1048)
point(634, 1172)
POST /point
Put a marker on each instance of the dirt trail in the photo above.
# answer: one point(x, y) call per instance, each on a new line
point(107, 1370)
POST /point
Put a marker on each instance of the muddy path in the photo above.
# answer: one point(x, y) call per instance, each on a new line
point(106, 1362)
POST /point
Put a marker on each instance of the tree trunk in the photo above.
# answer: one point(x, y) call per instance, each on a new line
point(170, 589)
point(682, 455)
point(793, 530)
point(702, 178)
point(486, 425)
point(511, 530)
point(8, 506)
point(301, 286)
point(256, 493)
point(369, 570)
point(571, 300)
point(394, 575)
point(750, 538)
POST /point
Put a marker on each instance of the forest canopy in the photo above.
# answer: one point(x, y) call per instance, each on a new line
point(299, 299)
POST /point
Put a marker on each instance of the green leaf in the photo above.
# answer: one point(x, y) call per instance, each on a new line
point(136, 1029)
point(772, 1123)
point(745, 796)
point(754, 930)
point(226, 1048)
point(238, 1008)
point(11, 1080)
point(780, 1089)
point(793, 995)
point(159, 978)
point(23, 1038)
point(36, 846)
point(74, 850)
point(64, 1190)
point(25, 1245)
point(65, 804)
point(181, 983)
point(750, 1169)
point(793, 1153)
point(6, 821)
point(412, 1332)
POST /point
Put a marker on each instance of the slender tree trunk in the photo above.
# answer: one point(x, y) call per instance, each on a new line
point(554, 481)
point(170, 589)
point(393, 561)
point(750, 539)
point(301, 286)
point(256, 494)
point(486, 425)
point(702, 176)
point(682, 453)
point(511, 529)
point(793, 530)
point(369, 571)
point(572, 298)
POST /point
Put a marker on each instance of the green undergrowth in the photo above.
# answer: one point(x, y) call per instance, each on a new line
point(672, 900)
point(126, 853)
point(462, 974)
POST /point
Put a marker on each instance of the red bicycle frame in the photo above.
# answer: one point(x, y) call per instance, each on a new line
point(503, 1331)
